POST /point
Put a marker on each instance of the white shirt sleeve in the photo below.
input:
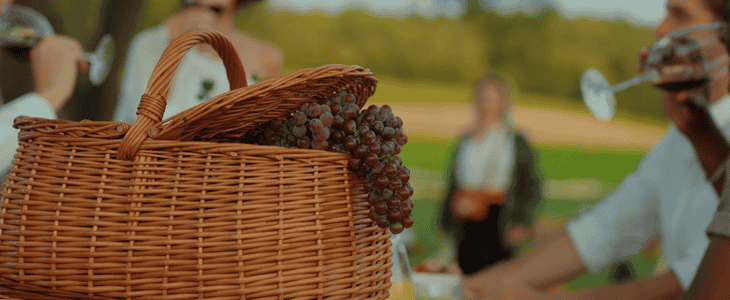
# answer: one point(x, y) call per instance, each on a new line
point(621, 224)
point(144, 52)
point(31, 105)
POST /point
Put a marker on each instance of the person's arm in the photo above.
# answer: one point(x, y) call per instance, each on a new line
point(664, 286)
point(31, 105)
point(549, 263)
point(527, 192)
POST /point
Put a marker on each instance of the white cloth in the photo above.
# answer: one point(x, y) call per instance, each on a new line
point(31, 105)
point(487, 163)
point(197, 79)
point(668, 196)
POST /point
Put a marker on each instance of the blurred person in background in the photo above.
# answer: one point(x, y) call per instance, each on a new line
point(668, 196)
point(55, 63)
point(201, 74)
point(494, 185)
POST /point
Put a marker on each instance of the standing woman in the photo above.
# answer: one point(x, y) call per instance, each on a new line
point(201, 75)
point(494, 185)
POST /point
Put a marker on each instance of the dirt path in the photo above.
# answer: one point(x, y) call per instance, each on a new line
point(541, 125)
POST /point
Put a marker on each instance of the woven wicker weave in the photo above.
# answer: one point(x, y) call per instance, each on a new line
point(183, 213)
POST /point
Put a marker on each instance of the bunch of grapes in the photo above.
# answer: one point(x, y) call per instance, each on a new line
point(374, 138)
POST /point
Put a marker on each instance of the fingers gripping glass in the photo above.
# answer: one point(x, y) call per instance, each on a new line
point(21, 28)
point(683, 60)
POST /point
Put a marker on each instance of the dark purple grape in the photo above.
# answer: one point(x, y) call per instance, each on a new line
point(403, 192)
point(350, 98)
point(372, 215)
point(388, 133)
point(335, 108)
point(362, 128)
point(403, 175)
point(371, 159)
point(383, 222)
point(353, 164)
point(373, 198)
point(394, 202)
point(377, 127)
point(398, 161)
point(348, 113)
point(405, 209)
point(397, 149)
point(368, 137)
point(315, 125)
point(391, 122)
point(382, 116)
point(337, 136)
point(390, 170)
point(338, 121)
point(313, 110)
point(349, 144)
point(277, 124)
point(377, 169)
point(395, 183)
point(380, 182)
point(407, 222)
point(398, 122)
point(386, 149)
point(374, 147)
point(410, 188)
point(373, 109)
point(349, 126)
point(368, 117)
point(300, 118)
point(326, 118)
point(394, 216)
point(403, 139)
point(360, 151)
point(396, 228)
point(299, 130)
point(381, 207)
point(386, 193)
point(321, 145)
point(325, 109)
point(386, 108)
point(303, 142)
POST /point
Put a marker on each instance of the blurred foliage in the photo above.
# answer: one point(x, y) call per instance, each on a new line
point(544, 52)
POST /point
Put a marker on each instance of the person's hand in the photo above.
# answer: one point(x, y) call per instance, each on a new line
point(485, 284)
point(55, 62)
point(516, 235)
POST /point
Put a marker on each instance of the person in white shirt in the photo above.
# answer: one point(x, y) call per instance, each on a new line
point(55, 63)
point(668, 197)
point(201, 75)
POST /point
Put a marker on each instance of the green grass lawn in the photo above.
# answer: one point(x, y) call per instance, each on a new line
point(430, 157)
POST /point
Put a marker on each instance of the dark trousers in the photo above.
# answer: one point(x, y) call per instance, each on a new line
point(481, 244)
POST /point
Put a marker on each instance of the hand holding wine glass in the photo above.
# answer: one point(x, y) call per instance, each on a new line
point(55, 63)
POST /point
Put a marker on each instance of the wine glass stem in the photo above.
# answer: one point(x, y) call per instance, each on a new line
point(631, 82)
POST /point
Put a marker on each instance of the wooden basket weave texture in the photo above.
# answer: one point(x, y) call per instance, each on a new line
point(190, 219)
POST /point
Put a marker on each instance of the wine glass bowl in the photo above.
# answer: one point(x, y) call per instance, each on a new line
point(597, 94)
point(682, 60)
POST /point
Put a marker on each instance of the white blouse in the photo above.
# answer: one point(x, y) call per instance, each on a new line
point(197, 79)
point(487, 163)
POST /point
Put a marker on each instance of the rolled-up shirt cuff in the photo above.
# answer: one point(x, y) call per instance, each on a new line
point(590, 242)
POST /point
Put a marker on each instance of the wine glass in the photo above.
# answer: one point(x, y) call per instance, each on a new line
point(21, 28)
point(402, 287)
point(682, 60)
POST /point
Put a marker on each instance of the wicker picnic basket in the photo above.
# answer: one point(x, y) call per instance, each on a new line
point(176, 209)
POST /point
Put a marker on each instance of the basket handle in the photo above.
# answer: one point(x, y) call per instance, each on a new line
point(152, 105)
